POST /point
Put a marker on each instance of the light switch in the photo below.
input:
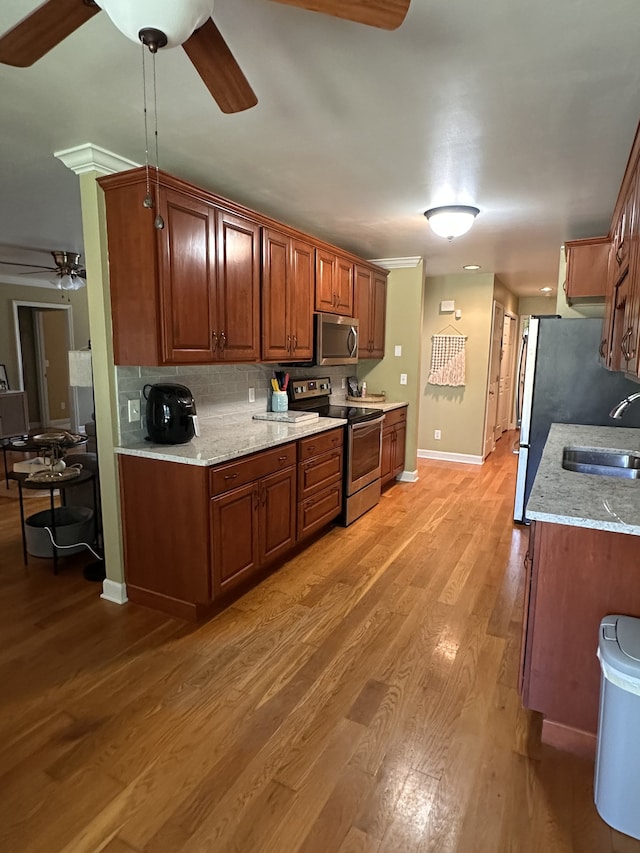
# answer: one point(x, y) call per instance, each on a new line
point(133, 411)
point(403, 378)
point(252, 395)
point(397, 350)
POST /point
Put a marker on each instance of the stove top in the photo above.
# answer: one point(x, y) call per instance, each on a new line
point(312, 395)
point(352, 414)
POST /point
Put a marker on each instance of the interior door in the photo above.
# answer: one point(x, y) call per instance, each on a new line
point(506, 374)
point(493, 383)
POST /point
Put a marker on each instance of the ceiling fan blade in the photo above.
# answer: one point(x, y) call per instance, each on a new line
point(43, 29)
point(31, 266)
point(384, 14)
point(223, 77)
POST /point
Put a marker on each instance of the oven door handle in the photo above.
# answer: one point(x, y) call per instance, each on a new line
point(375, 422)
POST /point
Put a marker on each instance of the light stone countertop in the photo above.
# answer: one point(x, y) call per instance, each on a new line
point(586, 500)
point(383, 407)
point(220, 441)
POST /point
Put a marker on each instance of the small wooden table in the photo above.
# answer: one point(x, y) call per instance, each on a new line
point(56, 485)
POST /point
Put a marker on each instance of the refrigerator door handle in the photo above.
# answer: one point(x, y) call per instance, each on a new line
point(529, 380)
point(521, 361)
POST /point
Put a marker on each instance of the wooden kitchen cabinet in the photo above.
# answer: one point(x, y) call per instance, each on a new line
point(253, 514)
point(320, 470)
point(394, 435)
point(586, 273)
point(575, 577)
point(370, 307)
point(334, 283)
point(188, 293)
point(288, 276)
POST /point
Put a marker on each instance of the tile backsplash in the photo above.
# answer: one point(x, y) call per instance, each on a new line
point(220, 390)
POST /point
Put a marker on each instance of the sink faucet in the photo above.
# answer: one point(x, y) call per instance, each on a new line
point(620, 408)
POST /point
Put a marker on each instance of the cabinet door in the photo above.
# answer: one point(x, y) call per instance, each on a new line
point(363, 309)
point(277, 514)
point(631, 342)
point(234, 537)
point(400, 436)
point(301, 302)
point(325, 282)
point(187, 278)
point(344, 286)
point(387, 455)
point(587, 262)
point(238, 289)
point(378, 325)
point(276, 310)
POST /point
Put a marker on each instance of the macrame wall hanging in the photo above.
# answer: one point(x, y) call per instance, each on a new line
point(448, 353)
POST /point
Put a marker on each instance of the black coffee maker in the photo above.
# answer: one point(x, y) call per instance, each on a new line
point(171, 414)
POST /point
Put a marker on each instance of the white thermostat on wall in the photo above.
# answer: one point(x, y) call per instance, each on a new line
point(447, 305)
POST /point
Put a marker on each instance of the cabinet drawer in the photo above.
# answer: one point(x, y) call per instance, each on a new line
point(315, 512)
point(320, 443)
point(394, 417)
point(319, 472)
point(246, 470)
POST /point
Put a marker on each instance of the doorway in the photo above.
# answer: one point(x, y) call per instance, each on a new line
point(44, 336)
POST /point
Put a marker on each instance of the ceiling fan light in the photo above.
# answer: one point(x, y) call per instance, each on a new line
point(452, 220)
point(69, 281)
point(176, 20)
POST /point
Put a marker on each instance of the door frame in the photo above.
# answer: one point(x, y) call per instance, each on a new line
point(42, 383)
point(490, 431)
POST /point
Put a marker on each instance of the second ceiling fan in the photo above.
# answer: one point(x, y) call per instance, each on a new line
point(160, 23)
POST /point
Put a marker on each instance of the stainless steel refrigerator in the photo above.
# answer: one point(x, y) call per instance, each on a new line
point(561, 380)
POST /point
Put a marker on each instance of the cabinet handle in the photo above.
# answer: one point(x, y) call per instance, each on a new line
point(263, 497)
point(602, 346)
point(335, 440)
point(230, 476)
point(289, 343)
point(282, 458)
point(311, 448)
point(214, 338)
point(623, 344)
point(223, 341)
point(295, 343)
point(618, 255)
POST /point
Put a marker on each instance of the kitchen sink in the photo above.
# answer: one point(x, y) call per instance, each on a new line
point(610, 463)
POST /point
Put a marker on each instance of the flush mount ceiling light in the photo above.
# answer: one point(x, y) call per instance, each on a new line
point(546, 289)
point(452, 220)
point(472, 267)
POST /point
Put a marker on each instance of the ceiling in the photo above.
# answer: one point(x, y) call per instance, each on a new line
point(526, 110)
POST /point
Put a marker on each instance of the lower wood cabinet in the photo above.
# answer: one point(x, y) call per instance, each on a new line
point(575, 577)
point(320, 468)
point(192, 534)
point(394, 438)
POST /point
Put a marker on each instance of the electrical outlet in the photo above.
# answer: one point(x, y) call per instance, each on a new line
point(403, 378)
point(344, 383)
point(397, 350)
point(63, 405)
point(437, 434)
point(133, 411)
point(252, 395)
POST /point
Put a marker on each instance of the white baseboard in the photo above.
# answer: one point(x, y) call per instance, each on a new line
point(408, 477)
point(113, 591)
point(467, 458)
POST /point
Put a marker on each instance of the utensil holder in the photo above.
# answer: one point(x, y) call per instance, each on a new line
point(279, 401)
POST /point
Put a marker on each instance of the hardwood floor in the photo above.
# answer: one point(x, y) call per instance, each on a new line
point(363, 698)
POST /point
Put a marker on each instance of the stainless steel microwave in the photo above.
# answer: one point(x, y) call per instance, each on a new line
point(336, 339)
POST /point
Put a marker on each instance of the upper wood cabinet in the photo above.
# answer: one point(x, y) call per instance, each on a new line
point(586, 268)
point(370, 301)
point(185, 293)
point(334, 283)
point(288, 267)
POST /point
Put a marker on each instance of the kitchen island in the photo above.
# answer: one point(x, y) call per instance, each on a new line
point(581, 566)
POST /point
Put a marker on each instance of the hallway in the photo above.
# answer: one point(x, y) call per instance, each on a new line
point(362, 698)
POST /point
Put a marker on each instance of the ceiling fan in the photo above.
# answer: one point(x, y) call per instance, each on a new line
point(70, 275)
point(169, 23)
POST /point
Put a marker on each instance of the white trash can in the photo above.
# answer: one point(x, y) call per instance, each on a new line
point(617, 774)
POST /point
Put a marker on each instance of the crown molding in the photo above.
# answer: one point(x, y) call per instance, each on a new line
point(92, 158)
point(397, 263)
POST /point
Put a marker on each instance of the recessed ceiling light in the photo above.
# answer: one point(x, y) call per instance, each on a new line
point(472, 267)
point(546, 289)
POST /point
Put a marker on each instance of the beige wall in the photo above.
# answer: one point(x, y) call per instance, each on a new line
point(25, 293)
point(505, 297)
point(458, 413)
point(536, 305)
point(404, 312)
point(56, 346)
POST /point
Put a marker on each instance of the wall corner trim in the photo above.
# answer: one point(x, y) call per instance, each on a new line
point(92, 158)
point(113, 591)
point(408, 477)
point(467, 458)
point(396, 263)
